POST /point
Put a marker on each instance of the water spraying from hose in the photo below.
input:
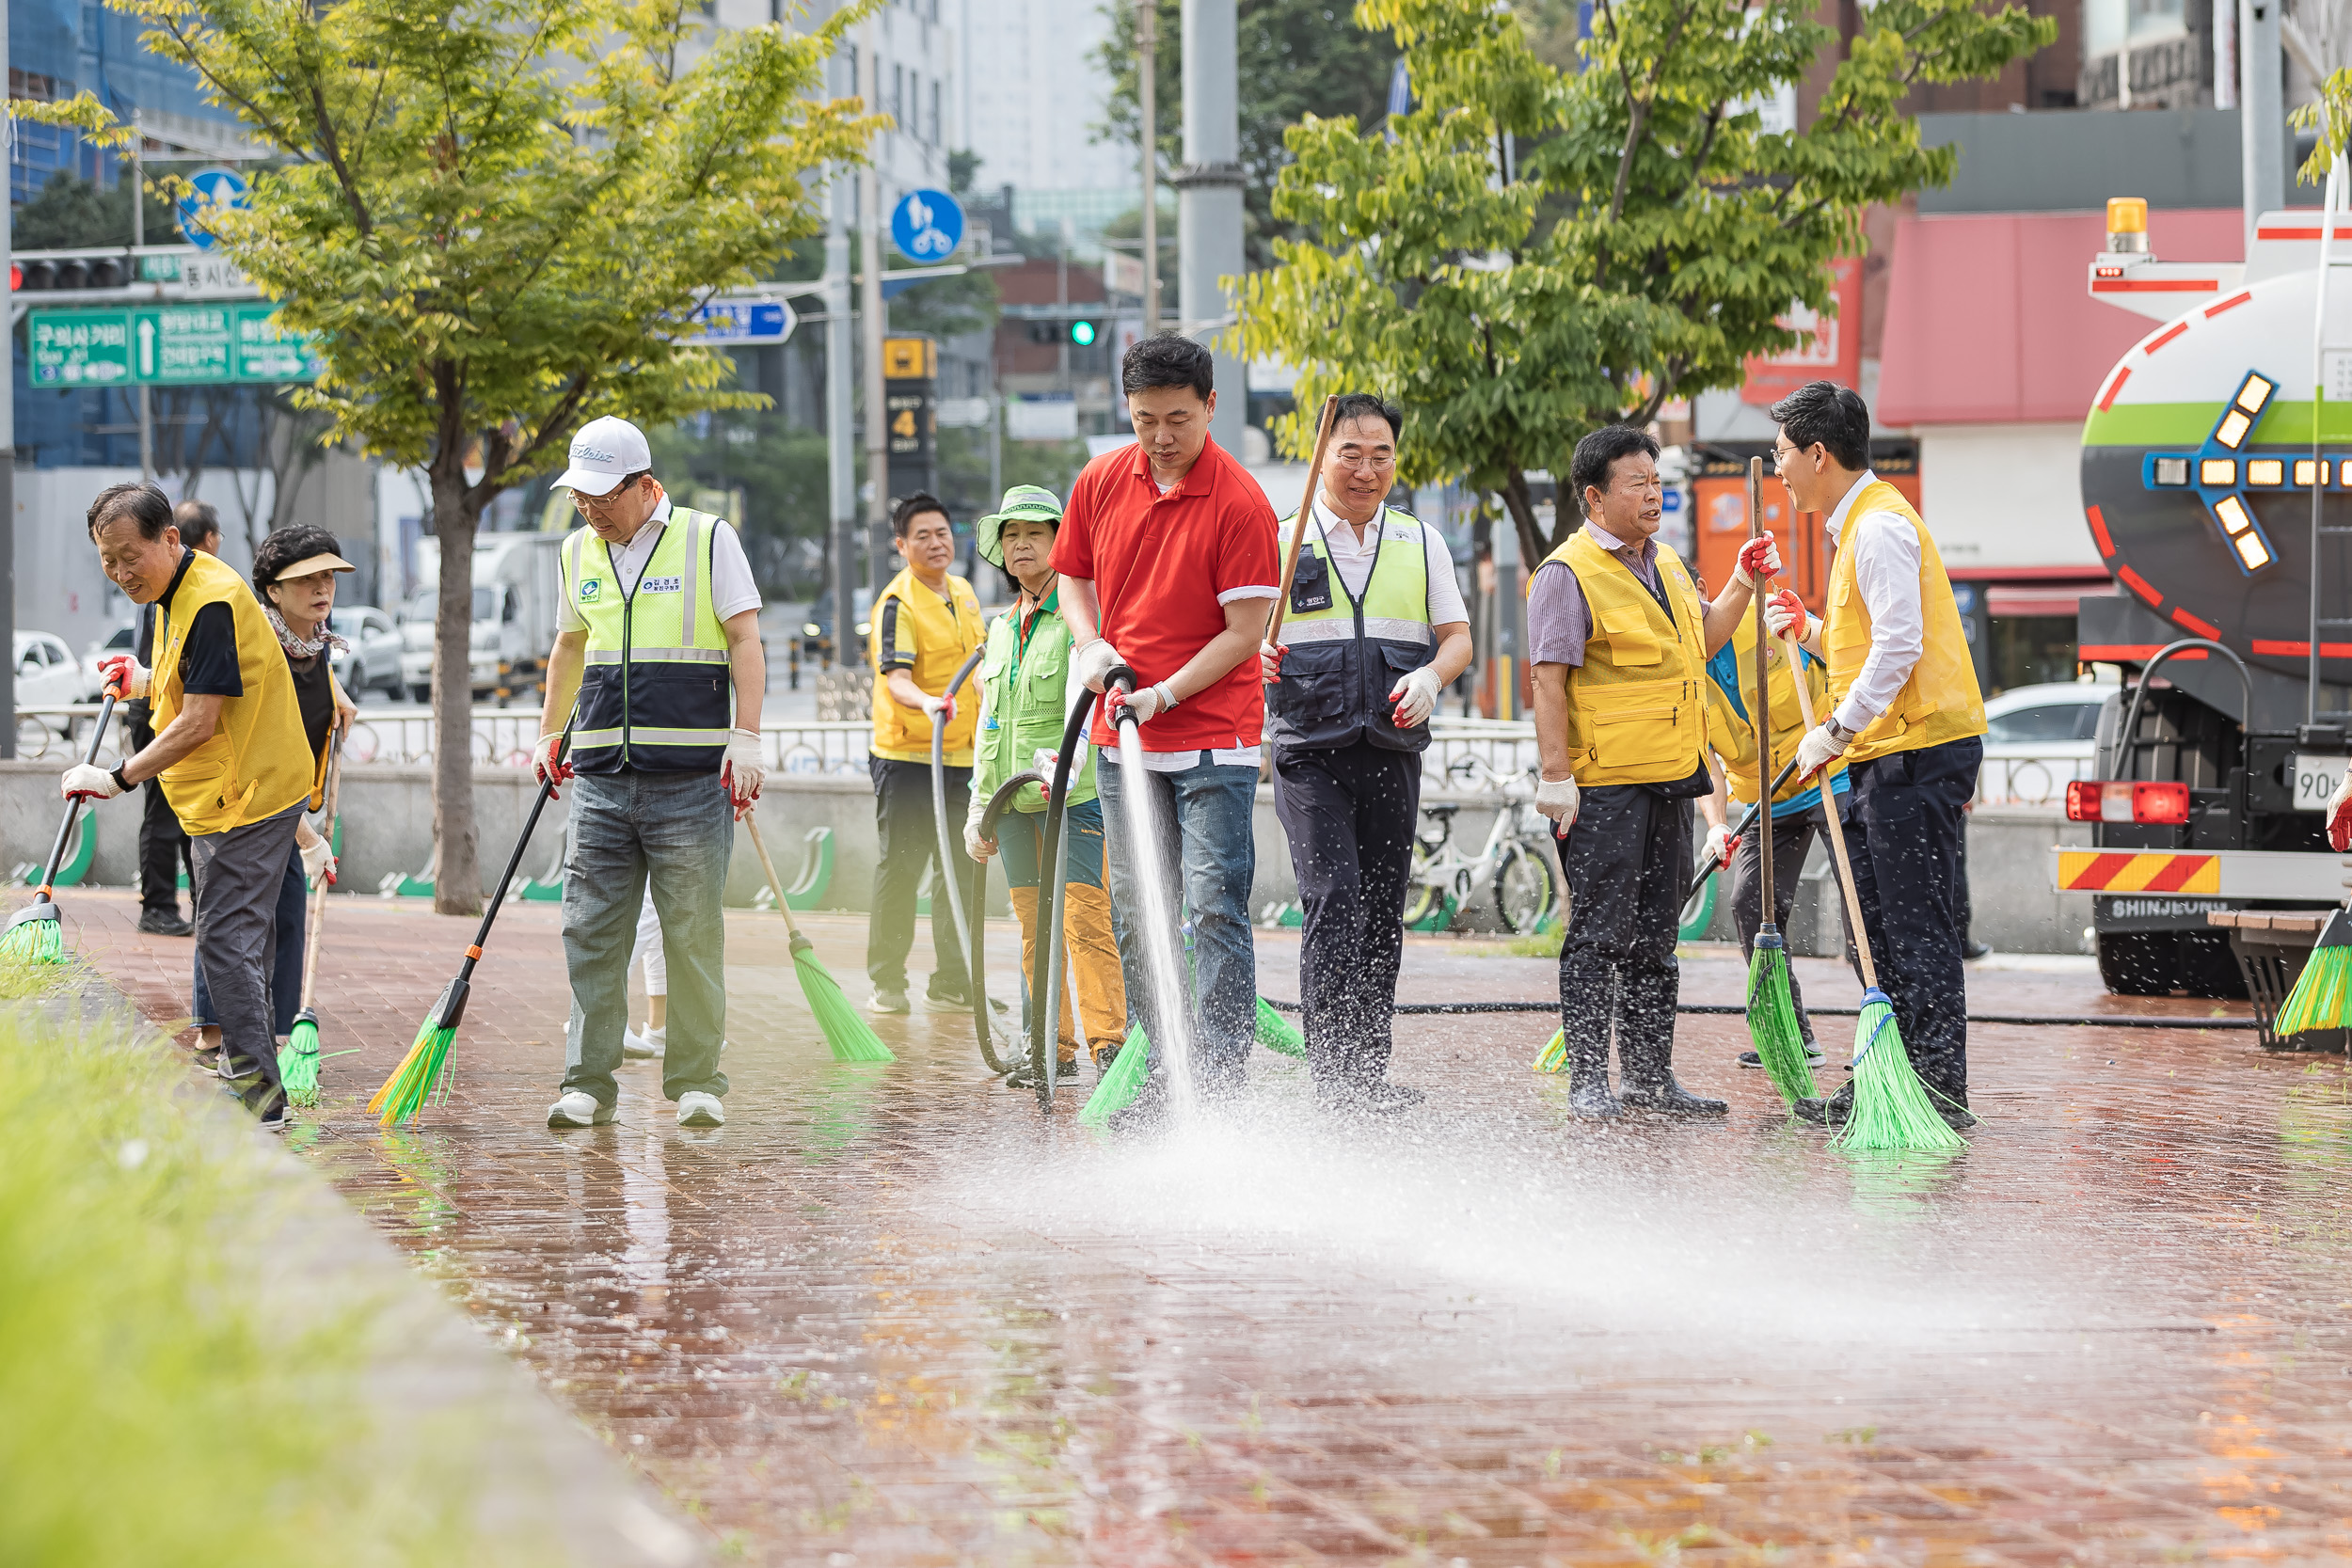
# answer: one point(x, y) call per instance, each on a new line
point(1156, 919)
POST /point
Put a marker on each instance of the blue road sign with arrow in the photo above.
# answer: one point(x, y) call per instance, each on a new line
point(741, 323)
point(927, 226)
point(214, 188)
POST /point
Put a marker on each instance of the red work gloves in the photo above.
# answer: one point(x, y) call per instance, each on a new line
point(1759, 558)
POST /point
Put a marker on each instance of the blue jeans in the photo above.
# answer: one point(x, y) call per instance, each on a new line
point(678, 831)
point(285, 981)
point(1201, 820)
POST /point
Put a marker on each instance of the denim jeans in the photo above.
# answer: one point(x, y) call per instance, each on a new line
point(1201, 821)
point(285, 981)
point(675, 830)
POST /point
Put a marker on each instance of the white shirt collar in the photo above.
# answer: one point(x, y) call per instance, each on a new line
point(1845, 504)
point(1330, 521)
point(650, 530)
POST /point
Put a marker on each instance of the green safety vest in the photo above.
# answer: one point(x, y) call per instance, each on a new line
point(1026, 689)
point(1346, 654)
point(655, 696)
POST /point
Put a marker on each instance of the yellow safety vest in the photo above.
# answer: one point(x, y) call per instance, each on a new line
point(1731, 724)
point(259, 760)
point(1637, 707)
point(1941, 701)
point(656, 693)
point(1346, 654)
point(944, 637)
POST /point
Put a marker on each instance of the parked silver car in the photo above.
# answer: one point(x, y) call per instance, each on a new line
point(374, 657)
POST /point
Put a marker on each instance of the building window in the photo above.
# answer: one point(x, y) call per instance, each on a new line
point(899, 95)
point(933, 138)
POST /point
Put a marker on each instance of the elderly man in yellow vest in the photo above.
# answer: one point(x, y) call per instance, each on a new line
point(1619, 639)
point(926, 624)
point(1909, 723)
point(660, 622)
point(235, 763)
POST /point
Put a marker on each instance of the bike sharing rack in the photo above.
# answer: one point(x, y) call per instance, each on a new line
point(815, 878)
point(77, 866)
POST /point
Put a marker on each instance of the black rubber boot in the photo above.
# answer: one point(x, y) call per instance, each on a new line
point(1832, 1112)
point(1585, 993)
point(1645, 1042)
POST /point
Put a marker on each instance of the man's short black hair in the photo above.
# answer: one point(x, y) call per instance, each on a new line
point(294, 542)
point(143, 503)
point(197, 520)
point(1170, 359)
point(1599, 452)
point(1364, 405)
point(903, 515)
point(1833, 415)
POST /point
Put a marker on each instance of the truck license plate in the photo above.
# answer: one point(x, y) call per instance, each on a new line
point(2316, 780)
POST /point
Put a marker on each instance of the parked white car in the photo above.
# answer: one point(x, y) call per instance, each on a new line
point(48, 674)
point(372, 660)
point(2037, 738)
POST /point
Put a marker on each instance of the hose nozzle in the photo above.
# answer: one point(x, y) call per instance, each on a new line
point(1122, 679)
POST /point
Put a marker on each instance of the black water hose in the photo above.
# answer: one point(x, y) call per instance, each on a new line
point(975, 956)
point(1044, 1006)
point(1738, 1009)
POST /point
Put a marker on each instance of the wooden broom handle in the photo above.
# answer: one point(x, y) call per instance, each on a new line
point(1299, 529)
point(1836, 829)
point(318, 897)
point(774, 885)
point(1763, 715)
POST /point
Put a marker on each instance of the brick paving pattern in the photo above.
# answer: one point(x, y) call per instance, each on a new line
point(890, 1315)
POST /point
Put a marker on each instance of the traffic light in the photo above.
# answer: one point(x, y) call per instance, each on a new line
point(1082, 334)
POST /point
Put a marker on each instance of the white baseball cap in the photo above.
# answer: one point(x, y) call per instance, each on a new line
point(605, 453)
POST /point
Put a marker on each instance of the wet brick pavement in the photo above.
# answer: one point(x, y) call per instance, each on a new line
point(892, 1316)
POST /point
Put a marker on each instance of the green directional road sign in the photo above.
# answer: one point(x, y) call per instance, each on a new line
point(195, 344)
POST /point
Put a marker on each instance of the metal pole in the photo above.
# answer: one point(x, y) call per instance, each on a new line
point(7, 469)
point(870, 220)
point(138, 237)
point(840, 457)
point(1208, 213)
point(2328, 205)
point(1147, 91)
point(1062, 303)
point(2261, 124)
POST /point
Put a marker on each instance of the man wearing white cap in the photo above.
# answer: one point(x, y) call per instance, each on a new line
point(660, 616)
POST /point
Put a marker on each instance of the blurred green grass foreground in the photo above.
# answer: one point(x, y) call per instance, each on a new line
point(165, 1397)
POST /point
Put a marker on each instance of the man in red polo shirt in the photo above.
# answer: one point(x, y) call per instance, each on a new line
point(1169, 565)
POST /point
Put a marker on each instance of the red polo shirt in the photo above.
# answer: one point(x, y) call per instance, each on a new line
point(1163, 568)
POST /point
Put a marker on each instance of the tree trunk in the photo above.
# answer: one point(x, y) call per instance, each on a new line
point(1521, 501)
point(457, 882)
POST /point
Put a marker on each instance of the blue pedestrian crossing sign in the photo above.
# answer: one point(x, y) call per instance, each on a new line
point(927, 226)
point(214, 189)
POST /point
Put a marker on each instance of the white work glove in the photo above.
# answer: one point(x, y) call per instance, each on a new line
point(1089, 664)
point(1784, 612)
point(940, 709)
point(318, 860)
point(1270, 663)
point(1721, 842)
point(1759, 558)
point(1148, 703)
point(1817, 750)
point(1416, 697)
point(744, 770)
point(127, 676)
point(87, 781)
point(2340, 815)
point(979, 849)
point(548, 766)
point(1556, 799)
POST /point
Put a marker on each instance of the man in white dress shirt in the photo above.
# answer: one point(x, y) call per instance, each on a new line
point(1909, 720)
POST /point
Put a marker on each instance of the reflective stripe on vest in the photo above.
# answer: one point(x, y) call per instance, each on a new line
point(655, 696)
point(1637, 705)
point(1346, 654)
point(1940, 700)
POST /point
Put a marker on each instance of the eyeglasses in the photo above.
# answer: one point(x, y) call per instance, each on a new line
point(1365, 459)
point(1782, 452)
point(601, 504)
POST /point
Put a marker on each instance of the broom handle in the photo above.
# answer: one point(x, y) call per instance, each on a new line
point(1740, 832)
point(774, 885)
point(522, 842)
point(1299, 529)
point(1837, 832)
point(74, 806)
point(318, 894)
point(1763, 715)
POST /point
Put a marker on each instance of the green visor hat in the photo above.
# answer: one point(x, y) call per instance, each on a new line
point(1030, 503)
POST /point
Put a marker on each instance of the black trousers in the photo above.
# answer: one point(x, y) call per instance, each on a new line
point(1911, 810)
point(163, 844)
point(909, 846)
point(1792, 838)
point(1350, 812)
point(1627, 861)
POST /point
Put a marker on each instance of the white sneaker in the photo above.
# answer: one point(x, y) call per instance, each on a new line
point(697, 1109)
point(579, 1108)
point(887, 1001)
point(648, 1046)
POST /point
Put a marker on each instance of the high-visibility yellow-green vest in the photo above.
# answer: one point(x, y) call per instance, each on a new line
point(1637, 705)
point(1346, 654)
point(656, 695)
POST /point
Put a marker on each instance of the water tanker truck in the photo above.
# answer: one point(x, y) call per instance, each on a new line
point(2233, 622)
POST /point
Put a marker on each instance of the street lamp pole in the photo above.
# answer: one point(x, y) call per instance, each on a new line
point(1147, 93)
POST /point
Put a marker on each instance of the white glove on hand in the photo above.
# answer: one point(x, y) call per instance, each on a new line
point(1817, 750)
point(1721, 842)
point(1784, 612)
point(546, 764)
point(941, 709)
point(1269, 663)
point(1151, 701)
point(1556, 799)
point(1416, 697)
point(127, 676)
point(2340, 815)
point(743, 771)
point(87, 781)
point(318, 860)
point(1089, 664)
point(979, 849)
point(1759, 558)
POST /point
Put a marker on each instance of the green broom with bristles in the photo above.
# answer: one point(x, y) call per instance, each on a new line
point(36, 934)
point(412, 1083)
point(1278, 1034)
point(1772, 1011)
point(2321, 997)
point(847, 1035)
point(298, 1058)
point(1891, 1109)
point(1121, 1083)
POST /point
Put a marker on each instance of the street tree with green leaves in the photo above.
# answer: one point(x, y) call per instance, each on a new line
point(1533, 251)
point(496, 217)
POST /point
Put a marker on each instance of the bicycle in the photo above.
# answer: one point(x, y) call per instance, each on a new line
point(1515, 857)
